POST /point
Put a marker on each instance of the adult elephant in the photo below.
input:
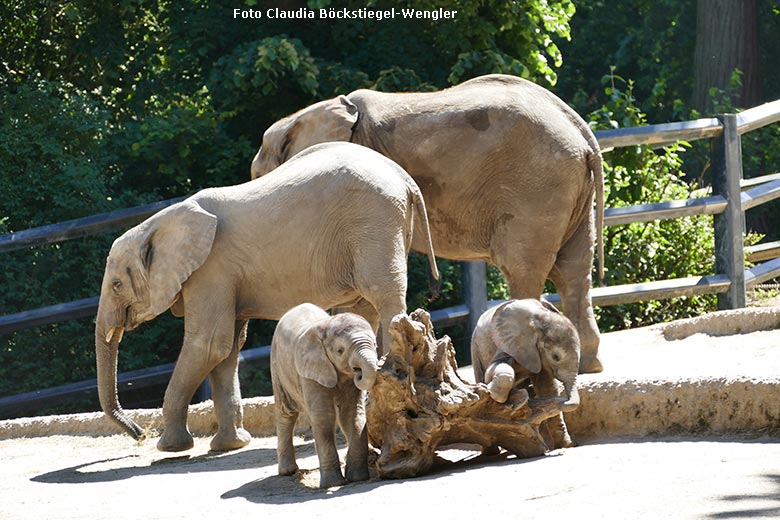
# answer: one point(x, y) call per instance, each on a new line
point(507, 169)
point(332, 227)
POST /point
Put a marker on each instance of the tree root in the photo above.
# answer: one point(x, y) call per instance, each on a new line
point(419, 403)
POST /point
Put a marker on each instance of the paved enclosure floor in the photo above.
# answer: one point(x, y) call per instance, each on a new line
point(718, 375)
point(112, 477)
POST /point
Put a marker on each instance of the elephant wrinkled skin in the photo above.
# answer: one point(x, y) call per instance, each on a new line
point(507, 169)
point(523, 340)
point(333, 227)
point(323, 365)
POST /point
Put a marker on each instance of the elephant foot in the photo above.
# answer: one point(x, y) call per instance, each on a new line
point(562, 440)
point(288, 468)
point(556, 434)
point(500, 387)
point(175, 440)
point(232, 440)
point(591, 364)
point(501, 379)
point(358, 473)
point(331, 478)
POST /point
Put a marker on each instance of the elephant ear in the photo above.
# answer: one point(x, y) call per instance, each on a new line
point(312, 362)
point(176, 242)
point(329, 120)
point(550, 307)
point(515, 332)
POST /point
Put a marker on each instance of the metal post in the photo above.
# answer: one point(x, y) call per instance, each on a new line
point(474, 279)
point(729, 225)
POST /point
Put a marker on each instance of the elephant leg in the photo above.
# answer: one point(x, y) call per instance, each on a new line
point(524, 275)
point(572, 276)
point(388, 302)
point(352, 420)
point(285, 450)
point(231, 434)
point(322, 414)
point(388, 306)
point(500, 378)
point(525, 254)
point(382, 283)
point(546, 386)
point(206, 344)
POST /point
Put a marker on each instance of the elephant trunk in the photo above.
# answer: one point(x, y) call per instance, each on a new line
point(364, 363)
point(106, 354)
point(572, 395)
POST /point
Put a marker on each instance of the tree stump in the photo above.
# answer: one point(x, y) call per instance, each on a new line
point(419, 403)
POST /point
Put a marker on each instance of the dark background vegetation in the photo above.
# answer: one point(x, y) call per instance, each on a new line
point(108, 105)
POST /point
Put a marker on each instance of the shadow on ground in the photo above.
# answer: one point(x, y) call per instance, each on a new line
point(106, 471)
point(771, 511)
point(302, 486)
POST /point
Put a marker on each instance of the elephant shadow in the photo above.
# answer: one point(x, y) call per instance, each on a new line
point(91, 472)
point(302, 486)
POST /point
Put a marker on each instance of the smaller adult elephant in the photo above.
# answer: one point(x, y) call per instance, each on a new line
point(332, 227)
point(522, 340)
point(323, 365)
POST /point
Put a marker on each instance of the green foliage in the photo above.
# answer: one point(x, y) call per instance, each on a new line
point(180, 145)
point(258, 69)
point(56, 166)
point(648, 251)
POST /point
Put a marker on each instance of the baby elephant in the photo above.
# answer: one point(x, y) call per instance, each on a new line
point(528, 339)
point(322, 365)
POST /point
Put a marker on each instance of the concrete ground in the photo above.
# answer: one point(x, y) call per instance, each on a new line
point(109, 477)
point(683, 423)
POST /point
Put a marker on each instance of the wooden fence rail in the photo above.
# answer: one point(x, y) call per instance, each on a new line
point(81, 227)
point(727, 203)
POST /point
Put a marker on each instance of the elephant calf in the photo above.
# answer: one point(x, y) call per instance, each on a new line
point(523, 340)
point(323, 365)
point(333, 226)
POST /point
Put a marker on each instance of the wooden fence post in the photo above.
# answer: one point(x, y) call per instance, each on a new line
point(474, 280)
point(729, 225)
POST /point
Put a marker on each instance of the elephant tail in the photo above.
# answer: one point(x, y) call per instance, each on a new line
point(595, 164)
point(421, 223)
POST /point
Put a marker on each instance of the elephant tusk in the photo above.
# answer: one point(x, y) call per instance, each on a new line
point(119, 331)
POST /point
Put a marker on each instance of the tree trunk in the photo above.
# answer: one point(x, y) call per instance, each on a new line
point(419, 403)
point(726, 39)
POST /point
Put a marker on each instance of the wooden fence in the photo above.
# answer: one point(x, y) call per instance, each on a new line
point(731, 197)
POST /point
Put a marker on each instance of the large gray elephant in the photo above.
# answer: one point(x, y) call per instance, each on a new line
point(333, 227)
point(507, 169)
point(323, 365)
point(522, 340)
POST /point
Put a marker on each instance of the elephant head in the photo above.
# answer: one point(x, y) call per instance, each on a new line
point(145, 270)
point(341, 344)
point(329, 120)
point(539, 337)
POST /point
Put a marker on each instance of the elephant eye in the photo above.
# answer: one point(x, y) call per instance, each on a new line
point(117, 285)
point(340, 350)
point(556, 357)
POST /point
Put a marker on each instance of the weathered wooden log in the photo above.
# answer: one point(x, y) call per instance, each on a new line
point(419, 403)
